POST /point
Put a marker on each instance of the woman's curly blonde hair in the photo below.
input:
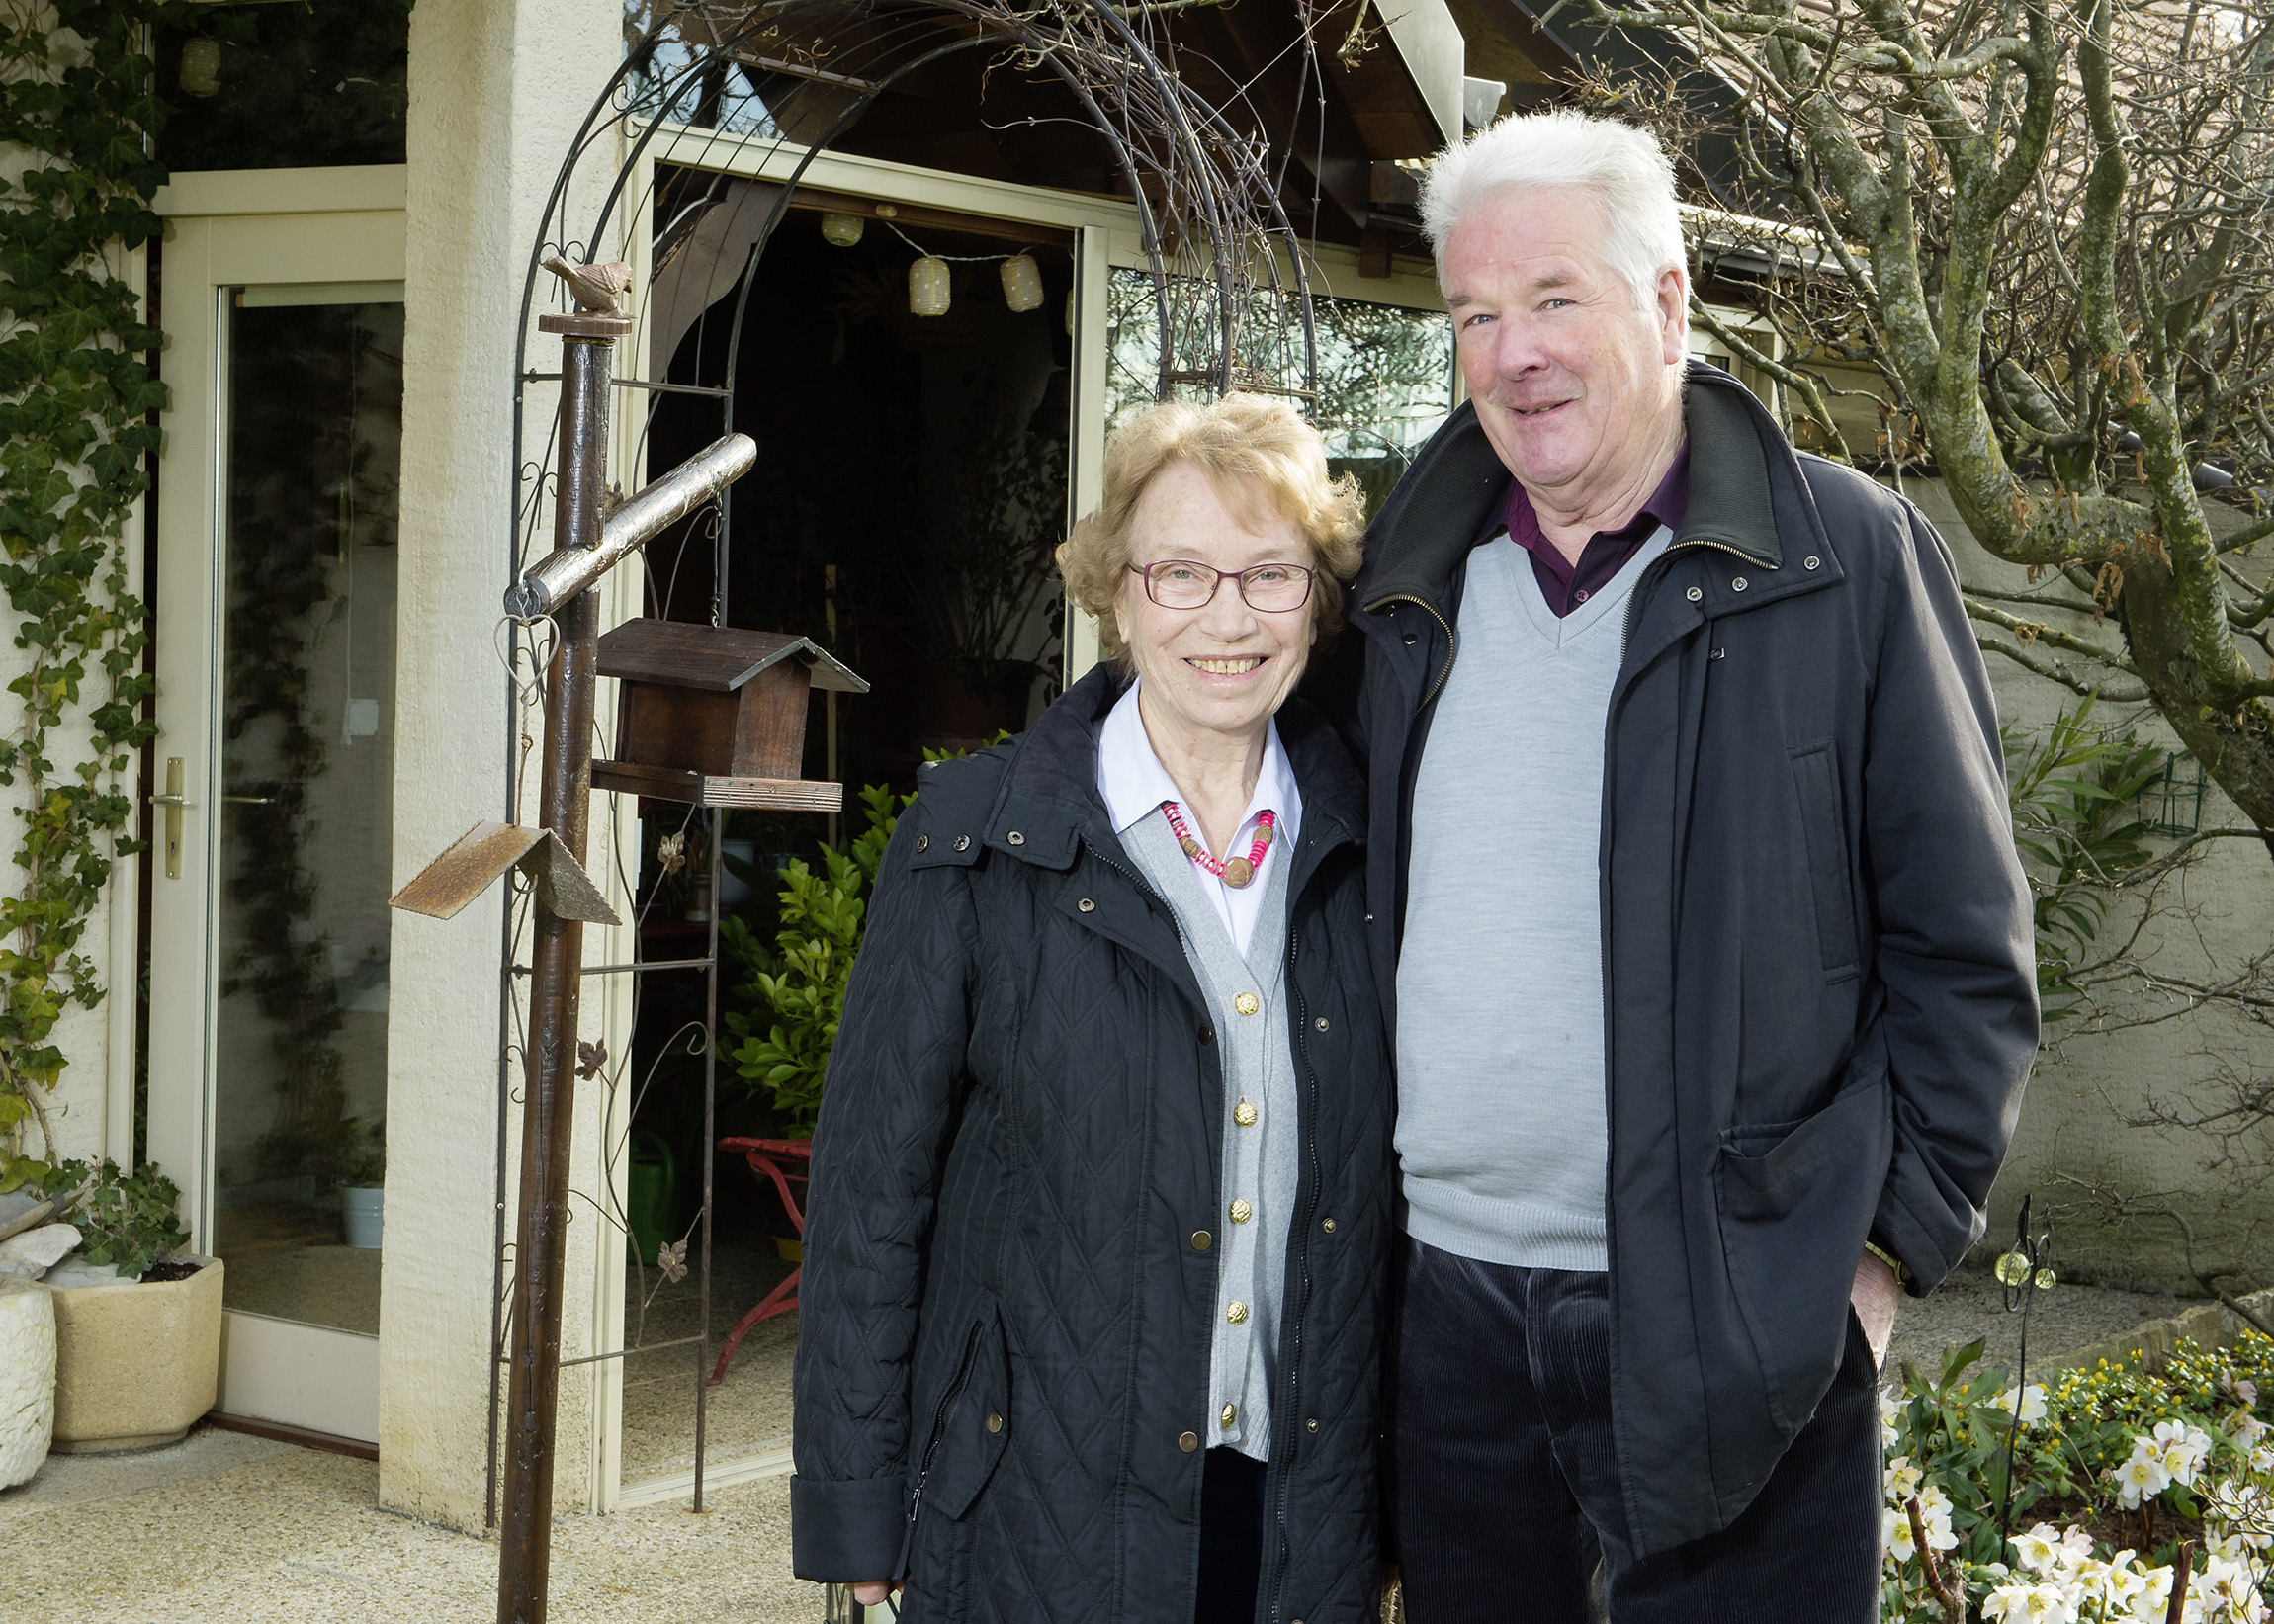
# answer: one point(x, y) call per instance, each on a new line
point(1252, 448)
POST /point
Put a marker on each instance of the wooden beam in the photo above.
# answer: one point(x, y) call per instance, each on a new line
point(301, 1436)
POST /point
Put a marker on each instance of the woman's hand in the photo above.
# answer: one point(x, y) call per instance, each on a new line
point(872, 1596)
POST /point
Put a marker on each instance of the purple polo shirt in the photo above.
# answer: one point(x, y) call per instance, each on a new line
point(1565, 585)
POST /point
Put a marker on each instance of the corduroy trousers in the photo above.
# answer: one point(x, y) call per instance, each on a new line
point(1504, 1480)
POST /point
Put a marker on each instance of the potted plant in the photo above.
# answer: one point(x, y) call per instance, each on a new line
point(362, 1187)
point(138, 1320)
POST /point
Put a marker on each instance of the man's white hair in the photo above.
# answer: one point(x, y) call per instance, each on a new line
point(1624, 168)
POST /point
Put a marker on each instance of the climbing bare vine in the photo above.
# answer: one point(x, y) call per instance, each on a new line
point(77, 113)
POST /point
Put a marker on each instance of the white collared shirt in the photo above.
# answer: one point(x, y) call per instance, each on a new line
point(1134, 783)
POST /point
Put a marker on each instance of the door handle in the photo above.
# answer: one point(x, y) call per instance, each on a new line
point(175, 803)
point(247, 800)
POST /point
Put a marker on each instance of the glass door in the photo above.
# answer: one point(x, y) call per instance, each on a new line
point(312, 447)
point(276, 609)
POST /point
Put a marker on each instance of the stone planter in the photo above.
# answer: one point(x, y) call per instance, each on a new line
point(136, 1364)
point(27, 1377)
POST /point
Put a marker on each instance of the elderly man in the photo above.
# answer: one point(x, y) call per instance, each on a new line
point(1699, 912)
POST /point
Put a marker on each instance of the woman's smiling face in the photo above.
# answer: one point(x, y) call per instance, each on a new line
point(1224, 667)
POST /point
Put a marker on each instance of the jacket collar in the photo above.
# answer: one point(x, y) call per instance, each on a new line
point(1747, 496)
point(1049, 798)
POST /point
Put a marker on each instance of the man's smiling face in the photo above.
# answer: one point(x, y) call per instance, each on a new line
point(1573, 383)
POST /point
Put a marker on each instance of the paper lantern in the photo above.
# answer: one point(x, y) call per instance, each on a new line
point(200, 67)
point(842, 230)
point(927, 287)
point(1023, 283)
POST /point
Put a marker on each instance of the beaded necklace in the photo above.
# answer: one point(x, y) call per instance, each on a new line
point(1238, 871)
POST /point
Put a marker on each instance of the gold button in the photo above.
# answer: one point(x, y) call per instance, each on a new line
point(994, 1424)
point(1247, 1003)
point(1202, 1240)
point(1244, 1114)
point(963, 843)
point(1328, 1225)
point(1237, 1314)
point(1188, 1441)
point(1228, 1415)
point(1242, 1212)
point(1322, 1023)
point(1312, 1423)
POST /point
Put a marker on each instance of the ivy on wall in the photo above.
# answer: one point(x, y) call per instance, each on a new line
point(78, 111)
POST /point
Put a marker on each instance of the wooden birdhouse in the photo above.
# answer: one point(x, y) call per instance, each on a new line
point(716, 715)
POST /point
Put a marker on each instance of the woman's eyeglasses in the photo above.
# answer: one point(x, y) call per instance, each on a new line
point(1180, 583)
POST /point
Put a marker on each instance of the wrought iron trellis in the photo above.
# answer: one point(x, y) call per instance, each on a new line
point(1231, 298)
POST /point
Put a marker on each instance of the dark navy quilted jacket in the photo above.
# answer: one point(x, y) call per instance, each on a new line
point(1004, 1323)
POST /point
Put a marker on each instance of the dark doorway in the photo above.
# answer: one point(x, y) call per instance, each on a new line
point(910, 485)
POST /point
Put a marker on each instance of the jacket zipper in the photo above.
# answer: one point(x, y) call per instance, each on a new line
point(932, 1444)
point(1287, 1429)
point(1451, 643)
point(1603, 934)
point(1144, 890)
point(1626, 620)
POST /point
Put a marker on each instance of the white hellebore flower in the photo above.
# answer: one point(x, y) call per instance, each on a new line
point(2006, 1602)
point(1895, 1536)
point(2046, 1605)
point(2039, 1549)
point(1935, 1512)
point(2144, 1477)
point(2032, 1401)
point(2229, 1593)
point(2126, 1582)
point(2182, 1448)
point(2153, 1599)
point(1904, 1479)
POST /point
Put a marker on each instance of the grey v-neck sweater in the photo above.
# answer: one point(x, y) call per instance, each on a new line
point(1501, 1136)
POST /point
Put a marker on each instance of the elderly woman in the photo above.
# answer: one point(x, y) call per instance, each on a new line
point(1092, 1307)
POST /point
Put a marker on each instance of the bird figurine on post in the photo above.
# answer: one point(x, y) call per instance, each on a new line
point(596, 287)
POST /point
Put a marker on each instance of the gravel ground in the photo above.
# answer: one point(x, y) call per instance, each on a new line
point(222, 1526)
point(227, 1526)
point(1970, 1305)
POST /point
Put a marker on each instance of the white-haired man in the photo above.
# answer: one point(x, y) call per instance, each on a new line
point(1699, 918)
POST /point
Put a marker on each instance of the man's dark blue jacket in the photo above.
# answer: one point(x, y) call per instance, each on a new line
point(1820, 987)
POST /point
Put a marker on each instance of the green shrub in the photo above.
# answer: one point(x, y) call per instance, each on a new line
point(797, 987)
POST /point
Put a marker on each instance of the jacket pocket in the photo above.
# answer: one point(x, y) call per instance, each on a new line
point(970, 1424)
point(1815, 776)
point(1794, 1216)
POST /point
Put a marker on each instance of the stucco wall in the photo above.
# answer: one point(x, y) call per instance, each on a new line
point(2214, 917)
point(497, 89)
